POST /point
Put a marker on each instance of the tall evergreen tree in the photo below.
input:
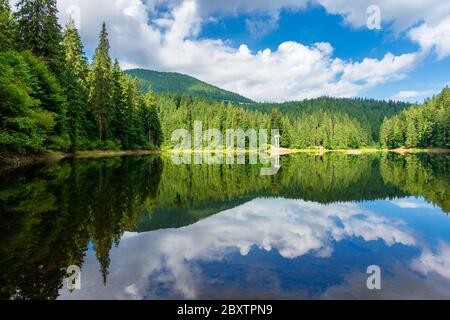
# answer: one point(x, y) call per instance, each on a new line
point(421, 126)
point(101, 84)
point(150, 117)
point(6, 26)
point(120, 113)
point(38, 30)
point(75, 82)
point(277, 123)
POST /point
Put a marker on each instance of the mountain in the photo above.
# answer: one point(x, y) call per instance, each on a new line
point(163, 82)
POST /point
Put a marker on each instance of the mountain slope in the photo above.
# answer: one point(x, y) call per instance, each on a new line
point(162, 82)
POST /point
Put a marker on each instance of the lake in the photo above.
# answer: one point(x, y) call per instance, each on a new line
point(145, 228)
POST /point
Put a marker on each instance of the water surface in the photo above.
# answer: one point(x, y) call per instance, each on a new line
point(145, 228)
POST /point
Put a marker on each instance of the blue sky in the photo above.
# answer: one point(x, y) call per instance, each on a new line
point(316, 25)
point(280, 50)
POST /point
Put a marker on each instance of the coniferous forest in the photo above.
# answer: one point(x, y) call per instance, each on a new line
point(94, 205)
point(53, 98)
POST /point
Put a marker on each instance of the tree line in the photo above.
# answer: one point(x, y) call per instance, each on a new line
point(328, 122)
point(53, 98)
point(421, 126)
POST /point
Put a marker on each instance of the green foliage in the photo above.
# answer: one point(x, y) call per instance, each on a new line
point(180, 112)
point(151, 120)
point(101, 85)
point(75, 85)
point(332, 130)
point(420, 175)
point(25, 123)
point(50, 216)
point(52, 99)
point(134, 119)
point(38, 30)
point(167, 82)
point(6, 26)
point(421, 126)
point(49, 92)
point(368, 113)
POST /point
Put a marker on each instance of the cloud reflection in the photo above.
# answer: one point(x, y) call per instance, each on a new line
point(437, 262)
point(291, 227)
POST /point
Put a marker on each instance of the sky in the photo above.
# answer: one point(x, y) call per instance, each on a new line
point(282, 50)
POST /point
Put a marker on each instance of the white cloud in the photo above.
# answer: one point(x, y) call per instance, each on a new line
point(169, 257)
point(401, 14)
point(141, 36)
point(170, 43)
point(262, 26)
point(433, 36)
point(426, 21)
point(411, 95)
point(233, 7)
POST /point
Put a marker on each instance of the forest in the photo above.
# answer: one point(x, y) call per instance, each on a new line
point(54, 98)
point(172, 82)
point(328, 122)
point(421, 126)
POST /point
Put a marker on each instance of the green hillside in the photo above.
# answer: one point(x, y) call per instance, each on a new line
point(162, 82)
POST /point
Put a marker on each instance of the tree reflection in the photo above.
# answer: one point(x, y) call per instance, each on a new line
point(51, 213)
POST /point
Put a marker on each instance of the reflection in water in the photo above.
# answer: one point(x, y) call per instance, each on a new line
point(291, 228)
point(77, 212)
point(438, 261)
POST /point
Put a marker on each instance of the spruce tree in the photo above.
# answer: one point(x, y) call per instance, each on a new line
point(6, 26)
point(101, 85)
point(75, 83)
point(38, 30)
point(119, 114)
point(276, 123)
point(150, 117)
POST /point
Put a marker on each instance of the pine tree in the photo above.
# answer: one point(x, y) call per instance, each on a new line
point(119, 117)
point(411, 130)
point(101, 85)
point(276, 123)
point(6, 26)
point(75, 82)
point(150, 117)
point(38, 30)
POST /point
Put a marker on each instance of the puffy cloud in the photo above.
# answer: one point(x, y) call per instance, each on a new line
point(426, 21)
point(433, 36)
point(169, 42)
point(401, 14)
point(169, 257)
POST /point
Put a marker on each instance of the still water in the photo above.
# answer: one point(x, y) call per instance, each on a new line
point(144, 228)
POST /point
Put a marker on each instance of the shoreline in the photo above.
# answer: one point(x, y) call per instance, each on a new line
point(18, 160)
point(110, 153)
point(15, 160)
